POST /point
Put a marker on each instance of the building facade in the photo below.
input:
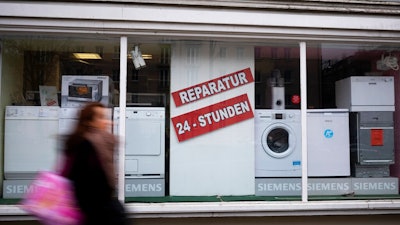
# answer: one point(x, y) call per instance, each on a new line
point(244, 109)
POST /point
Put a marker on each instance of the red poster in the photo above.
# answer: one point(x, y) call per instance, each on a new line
point(376, 137)
point(212, 87)
point(212, 117)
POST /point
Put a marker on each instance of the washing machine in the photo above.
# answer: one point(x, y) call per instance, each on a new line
point(30, 140)
point(145, 141)
point(277, 143)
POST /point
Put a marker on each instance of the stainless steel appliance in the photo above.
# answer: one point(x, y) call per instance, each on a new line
point(370, 100)
point(372, 143)
point(85, 90)
point(372, 137)
point(77, 90)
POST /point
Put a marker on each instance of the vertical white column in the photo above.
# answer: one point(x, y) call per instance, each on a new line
point(123, 67)
point(303, 107)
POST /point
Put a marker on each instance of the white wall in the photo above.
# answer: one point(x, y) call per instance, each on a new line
point(220, 162)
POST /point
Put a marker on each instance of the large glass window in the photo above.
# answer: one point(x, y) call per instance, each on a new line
point(350, 120)
point(44, 81)
point(209, 118)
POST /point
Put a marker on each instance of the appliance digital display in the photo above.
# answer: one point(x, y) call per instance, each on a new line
point(278, 116)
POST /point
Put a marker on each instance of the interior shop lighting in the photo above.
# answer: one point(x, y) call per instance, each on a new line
point(147, 56)
point(137, 58)
point(87, 56)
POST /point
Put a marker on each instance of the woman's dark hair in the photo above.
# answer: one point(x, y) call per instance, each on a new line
point(87, 115)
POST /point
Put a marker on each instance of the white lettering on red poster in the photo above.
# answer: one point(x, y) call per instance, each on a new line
point(212, 87)
point(213, 117)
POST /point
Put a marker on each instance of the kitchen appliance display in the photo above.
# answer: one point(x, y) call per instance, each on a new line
point(145, 141)
point(365, 93)
point(372, 143)
point(30, 140)
point(370, 100)
point(277, 90)
point(85, 90)
point(77, 90)
point(328, 142)
point(277, 143)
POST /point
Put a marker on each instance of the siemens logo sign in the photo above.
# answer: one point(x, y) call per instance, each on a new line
point(142, 187)
point(16, 188)
point(154, 187)
point(327, 186)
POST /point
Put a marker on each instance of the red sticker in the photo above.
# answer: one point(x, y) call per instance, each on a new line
point(213, 117)
point(376, 137)
point(295, 99)
point(212, 87)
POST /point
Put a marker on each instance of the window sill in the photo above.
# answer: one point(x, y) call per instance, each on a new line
point(239, 209)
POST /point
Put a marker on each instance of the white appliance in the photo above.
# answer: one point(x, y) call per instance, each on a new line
point(145, 141)
point(277, 90)
point(30, 140)
point(278, 97)
point(328, 142)
point(277, 143)
point(68, 119)
point(365, 93)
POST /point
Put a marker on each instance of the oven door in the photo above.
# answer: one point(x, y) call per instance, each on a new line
point(80, 92)
point(376, 145)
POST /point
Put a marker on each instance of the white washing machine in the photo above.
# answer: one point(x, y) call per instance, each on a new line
point(328, 142)
point(145, 141)
point(277, 143)
point(30, 140)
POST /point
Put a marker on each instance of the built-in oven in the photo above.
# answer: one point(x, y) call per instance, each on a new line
point(372, 138)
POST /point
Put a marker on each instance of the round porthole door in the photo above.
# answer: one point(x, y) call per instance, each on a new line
point(278, 140)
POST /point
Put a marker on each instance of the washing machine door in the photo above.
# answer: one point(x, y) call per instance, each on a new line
point(278, 140)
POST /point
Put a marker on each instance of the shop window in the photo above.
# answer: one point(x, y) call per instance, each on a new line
point(350, 90)
point(209, 118)
point(36, 97)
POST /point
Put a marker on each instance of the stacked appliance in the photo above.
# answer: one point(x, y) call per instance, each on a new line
point(144, 150)
point(277, 135)
point(370, 100)
point(77, 91)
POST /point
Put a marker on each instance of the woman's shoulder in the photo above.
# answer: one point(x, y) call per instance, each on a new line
point(78, 144)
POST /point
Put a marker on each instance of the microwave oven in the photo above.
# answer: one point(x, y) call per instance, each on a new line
point(85, 90)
